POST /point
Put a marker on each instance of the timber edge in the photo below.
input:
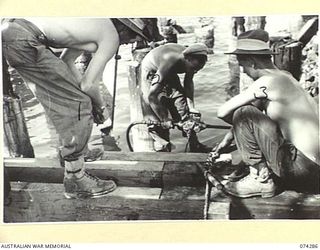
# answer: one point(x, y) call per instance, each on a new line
point(151, 186)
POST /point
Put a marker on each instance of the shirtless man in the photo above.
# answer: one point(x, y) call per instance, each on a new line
point(162, 91)
point(71, 101)
point(275, 125)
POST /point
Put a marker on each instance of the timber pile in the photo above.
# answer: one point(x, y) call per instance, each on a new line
point(205, 33)
point(151, 186)
point(310, 67)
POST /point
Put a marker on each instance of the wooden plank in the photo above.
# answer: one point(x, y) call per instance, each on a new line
point(54, 163)
point(183, 193)
point(219, 211)
point(125, 173)
point(124, 192)
point(17, 140)
point(308, 31)
point(287, 205)
point(182, 174)
point(37, 202)
point(159, 156)
point(156, 156)
point(141, 139)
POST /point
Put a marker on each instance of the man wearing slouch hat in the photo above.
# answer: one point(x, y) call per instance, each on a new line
point(275, 125)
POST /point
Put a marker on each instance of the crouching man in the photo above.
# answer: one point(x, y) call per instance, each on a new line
point(275, 125)
point(163, 97)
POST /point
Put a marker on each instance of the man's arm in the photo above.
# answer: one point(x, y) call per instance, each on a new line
point(226, 141)
point(89, 83)
point(259, 90)
point(69, 56)
point(189, 90)
point(155, 101)
point(157, 86)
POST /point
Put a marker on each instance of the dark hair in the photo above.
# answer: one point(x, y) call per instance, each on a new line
point(260, 61)
point(264, 57)
point(200, 58)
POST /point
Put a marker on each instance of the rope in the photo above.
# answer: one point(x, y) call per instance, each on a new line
point(207, 197)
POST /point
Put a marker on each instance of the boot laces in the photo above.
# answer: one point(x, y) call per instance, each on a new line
point(250, 175)
point(90, 176)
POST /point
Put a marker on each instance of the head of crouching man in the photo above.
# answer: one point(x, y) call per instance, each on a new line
point(196, 56)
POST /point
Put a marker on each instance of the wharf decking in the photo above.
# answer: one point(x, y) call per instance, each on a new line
point(151, 186)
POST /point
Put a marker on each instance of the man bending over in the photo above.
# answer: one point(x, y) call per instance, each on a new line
point(163, 94)
point(71, 101)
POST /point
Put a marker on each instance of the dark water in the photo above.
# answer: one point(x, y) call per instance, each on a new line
point(210, 85)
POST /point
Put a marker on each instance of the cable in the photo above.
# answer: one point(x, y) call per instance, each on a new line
point(163, 124)
point(217, 126)
point(128, 134)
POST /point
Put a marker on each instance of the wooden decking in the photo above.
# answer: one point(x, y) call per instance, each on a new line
point(151, 186)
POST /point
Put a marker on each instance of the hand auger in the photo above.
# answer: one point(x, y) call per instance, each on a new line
point(189, 125)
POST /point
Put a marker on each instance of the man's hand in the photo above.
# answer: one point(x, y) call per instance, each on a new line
point(168, 124)
point(194, 115)
point(226, 141)
point(191, 125)
point(187, 125)
point(99, 114)
point(194, 111)
point(216, 151)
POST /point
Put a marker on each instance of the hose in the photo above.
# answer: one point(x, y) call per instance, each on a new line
point(128, 134)
point(217, 126)
point(165, 125)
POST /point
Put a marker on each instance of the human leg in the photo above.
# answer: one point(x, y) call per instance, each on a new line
point(179, 111)
point(160, 136)
point(263, 148)
point(258, 140)
point(257, 137)
point(297, 171)
point(66, 105)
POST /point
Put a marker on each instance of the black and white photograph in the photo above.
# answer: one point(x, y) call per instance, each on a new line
point(161, 118)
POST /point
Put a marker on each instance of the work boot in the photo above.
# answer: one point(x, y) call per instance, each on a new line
point(240, 172)
point(253, 184)
point(85, 185)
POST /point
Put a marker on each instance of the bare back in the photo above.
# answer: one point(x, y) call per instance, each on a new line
point(77, 33)
point(161, 55)
point(96, 35)
point(296, 113)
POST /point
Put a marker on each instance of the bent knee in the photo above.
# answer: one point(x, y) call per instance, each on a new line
point(244, 112)
point(252, 115)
